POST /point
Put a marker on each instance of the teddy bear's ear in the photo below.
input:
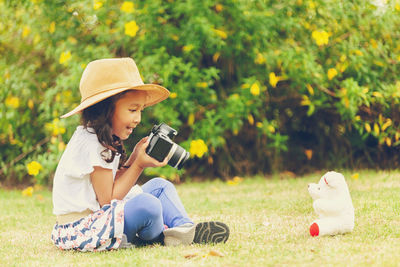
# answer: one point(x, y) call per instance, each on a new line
point(326, 179)
point(333, 179)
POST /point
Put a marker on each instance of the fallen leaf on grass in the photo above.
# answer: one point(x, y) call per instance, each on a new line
point(212, 252)
point(215, 253)
point(190, 255)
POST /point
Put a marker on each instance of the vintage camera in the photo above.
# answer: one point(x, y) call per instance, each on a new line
point(162, 146)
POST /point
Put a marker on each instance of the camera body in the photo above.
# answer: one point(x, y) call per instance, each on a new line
point(162, 146)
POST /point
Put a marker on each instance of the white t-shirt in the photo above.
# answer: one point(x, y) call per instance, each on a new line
point(72, 188)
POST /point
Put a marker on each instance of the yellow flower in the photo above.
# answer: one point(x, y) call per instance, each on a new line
point(271, 128)
point(219, 8)
point(198, 148)
point(33, 168)
point(386, 124)
point(273, 79)
point(250, 118)
point(61, 146)
point(97, 5)
point(320, 37)
point(259, 59)
point(355, 176)
point(377, 94)
point(190, 120)
point(202, 84)
point(259, 124)
point(220, 33)
point(131, 28)
point(30, 103)
point(127, 7)
point(27, 192)
point(173, 95)
point(367, 127)
point(12, 101)
point(187, 48)
point(255, 89)
point(373, 43)
point(332, 72)
point(55, 127)
point(65, 57)
point(52, 27)
point(358, 52)
point(26, 31)
point(376, 128)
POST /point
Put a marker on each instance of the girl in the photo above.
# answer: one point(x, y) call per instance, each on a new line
point(97, 204)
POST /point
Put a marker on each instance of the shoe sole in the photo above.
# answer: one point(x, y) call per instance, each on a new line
point(211, 232)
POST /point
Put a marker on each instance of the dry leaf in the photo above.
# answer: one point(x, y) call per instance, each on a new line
point(191, 255)
point(215, 253)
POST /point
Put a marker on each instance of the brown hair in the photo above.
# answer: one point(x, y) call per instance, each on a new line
point(99, 117)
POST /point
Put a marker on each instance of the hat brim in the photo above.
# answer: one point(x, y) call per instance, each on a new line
point(155, 94)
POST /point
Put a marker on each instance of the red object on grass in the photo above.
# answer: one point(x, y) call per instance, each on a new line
point(314, 229)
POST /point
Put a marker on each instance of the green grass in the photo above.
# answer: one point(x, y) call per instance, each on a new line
point(269, 220)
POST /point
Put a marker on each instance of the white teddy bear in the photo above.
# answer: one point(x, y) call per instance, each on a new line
point(332, 203)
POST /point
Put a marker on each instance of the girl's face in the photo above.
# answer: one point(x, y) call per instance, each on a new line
point(127, 113)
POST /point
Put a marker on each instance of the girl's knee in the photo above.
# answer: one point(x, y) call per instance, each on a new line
point(156, 183)
point(149, 206)
point(162, 182)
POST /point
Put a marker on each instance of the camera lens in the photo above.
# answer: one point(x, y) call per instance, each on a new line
point(178, 155)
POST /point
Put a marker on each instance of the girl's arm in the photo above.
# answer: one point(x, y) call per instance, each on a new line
point(102, 179)
point(132, 158)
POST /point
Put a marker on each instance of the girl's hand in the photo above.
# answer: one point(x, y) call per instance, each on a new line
point(143, 160)
point(134, 154)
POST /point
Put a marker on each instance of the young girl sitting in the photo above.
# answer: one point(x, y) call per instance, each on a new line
point(97, 204)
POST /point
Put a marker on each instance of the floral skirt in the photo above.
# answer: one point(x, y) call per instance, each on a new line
point(102, 230)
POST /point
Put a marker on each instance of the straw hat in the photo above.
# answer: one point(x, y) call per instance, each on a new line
point(107, 77)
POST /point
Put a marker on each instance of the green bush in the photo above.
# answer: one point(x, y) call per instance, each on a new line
point(256, 86)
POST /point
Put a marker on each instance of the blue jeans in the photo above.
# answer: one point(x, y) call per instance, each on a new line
point(146, 214)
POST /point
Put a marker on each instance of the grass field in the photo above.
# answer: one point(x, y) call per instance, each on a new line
point(268, 218)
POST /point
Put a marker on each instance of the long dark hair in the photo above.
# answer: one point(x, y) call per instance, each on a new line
point(99, 117)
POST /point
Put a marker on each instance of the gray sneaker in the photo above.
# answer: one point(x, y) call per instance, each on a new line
point(181, 235)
